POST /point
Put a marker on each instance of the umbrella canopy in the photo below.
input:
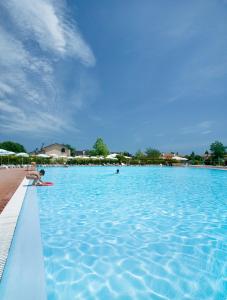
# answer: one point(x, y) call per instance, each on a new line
point(43, 155)
point(179, 158)
point(112, 156)
point(22, 154)
point(5, 152)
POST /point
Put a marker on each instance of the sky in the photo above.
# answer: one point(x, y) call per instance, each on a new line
point(138, 73)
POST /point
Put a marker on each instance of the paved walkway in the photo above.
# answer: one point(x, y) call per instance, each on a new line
point(9, 181)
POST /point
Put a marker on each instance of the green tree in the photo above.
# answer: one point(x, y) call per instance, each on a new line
point(153, 153)
point(12, 146)
point(100, 148)
point(217, 151)
point(195, 159)
point(121, 158)
point(126, 153)
point(192, 155)
point(92, 152)
point(72, 149)
point(139, 154)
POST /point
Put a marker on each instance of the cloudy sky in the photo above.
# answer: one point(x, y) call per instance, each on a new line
point(137, 73)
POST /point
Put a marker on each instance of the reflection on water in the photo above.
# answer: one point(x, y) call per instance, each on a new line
point(147, 233)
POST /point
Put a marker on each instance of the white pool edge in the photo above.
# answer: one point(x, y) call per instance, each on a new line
point(8, 222)
point(24, 272)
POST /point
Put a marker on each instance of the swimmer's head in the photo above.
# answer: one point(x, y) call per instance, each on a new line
point(42, 172)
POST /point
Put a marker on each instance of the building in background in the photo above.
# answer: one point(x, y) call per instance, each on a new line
point(56, 149)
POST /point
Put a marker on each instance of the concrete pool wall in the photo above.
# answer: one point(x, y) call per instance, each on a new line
point(23, 276)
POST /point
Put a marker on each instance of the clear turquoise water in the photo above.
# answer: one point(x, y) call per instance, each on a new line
point(147, 233)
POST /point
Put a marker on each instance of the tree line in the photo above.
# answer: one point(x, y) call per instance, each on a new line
point(216, 156)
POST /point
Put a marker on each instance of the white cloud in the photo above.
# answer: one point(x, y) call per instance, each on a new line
point(12, 50)
point(28, 88)
point(49, 26)
point(15, 118)
point(5, 89)
point(19, 66)
point(8, 108)
point(204, 127)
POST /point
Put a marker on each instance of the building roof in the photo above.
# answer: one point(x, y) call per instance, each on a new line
point(167, 155)
point(62, 145)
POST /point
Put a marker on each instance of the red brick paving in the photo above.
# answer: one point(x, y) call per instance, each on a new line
point(9, 181)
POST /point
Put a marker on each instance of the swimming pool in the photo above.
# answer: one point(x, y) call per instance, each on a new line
point(147, 233)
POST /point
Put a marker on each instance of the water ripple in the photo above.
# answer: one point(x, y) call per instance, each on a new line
point(148, 233)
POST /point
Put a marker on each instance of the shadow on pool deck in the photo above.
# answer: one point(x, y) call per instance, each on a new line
point(9, 181)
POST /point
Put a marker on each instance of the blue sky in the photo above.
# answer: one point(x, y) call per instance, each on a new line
point(140, 74)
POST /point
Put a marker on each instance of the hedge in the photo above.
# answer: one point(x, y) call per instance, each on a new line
point(16, 160)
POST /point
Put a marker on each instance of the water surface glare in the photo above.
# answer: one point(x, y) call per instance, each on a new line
point(146, 233)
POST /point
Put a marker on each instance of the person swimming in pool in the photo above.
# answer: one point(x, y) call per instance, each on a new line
point(117, 171)
point(36, 176)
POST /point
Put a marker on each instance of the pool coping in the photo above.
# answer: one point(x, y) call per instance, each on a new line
point(8, 221)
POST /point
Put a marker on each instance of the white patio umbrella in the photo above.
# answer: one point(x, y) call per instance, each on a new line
point(179, 158)
point(43, 155)
point(112, 156)
point(4, 152)
point(22, 155)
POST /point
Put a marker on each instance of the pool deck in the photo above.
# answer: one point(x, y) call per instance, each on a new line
point(13, 186)
point(9, 182)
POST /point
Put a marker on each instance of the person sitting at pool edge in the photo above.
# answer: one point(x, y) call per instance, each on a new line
point(36, 176)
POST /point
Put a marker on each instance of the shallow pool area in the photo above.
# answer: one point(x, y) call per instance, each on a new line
point(146, 233)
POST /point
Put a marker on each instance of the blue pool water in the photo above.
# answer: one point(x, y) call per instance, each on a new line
point(147, 233)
